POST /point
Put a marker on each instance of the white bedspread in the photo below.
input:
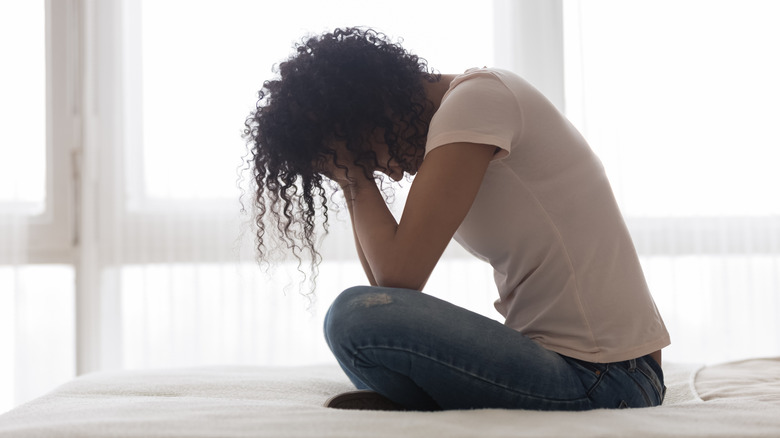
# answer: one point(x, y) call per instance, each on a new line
point(231, 402)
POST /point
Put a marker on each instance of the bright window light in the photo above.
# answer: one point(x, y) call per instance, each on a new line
point(203, 63)
point(23, 103)
point(680, 100)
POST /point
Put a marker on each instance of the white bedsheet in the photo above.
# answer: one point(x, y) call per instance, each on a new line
point(231, 402)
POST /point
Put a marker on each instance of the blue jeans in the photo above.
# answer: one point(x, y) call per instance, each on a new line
point(428, 354)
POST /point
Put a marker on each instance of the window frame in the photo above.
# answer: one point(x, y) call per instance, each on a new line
point(51, 234)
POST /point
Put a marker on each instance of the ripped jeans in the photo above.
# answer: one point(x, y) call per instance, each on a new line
point(428, 354)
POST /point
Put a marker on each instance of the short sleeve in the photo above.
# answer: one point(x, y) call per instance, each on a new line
point(478, 108)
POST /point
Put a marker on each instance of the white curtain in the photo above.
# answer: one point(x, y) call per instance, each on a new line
point(146, 264)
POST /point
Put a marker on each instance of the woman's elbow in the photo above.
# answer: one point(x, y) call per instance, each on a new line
point(400, 279)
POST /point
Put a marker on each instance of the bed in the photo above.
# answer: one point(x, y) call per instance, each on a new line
point(727, 400)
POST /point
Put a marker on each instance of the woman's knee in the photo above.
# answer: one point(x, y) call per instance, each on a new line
point(355, 309)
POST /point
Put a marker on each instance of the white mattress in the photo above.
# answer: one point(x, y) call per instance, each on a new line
point(738, 399)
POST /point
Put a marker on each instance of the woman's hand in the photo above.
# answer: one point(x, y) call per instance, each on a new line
point(339, 166)
point(336, 172)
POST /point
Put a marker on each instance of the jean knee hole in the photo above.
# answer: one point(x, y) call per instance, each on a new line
point(372, 300)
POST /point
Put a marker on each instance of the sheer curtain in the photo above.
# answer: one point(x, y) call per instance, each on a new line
point(134, 254)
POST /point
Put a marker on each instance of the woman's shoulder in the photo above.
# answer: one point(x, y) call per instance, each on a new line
point(489, 84)
point(479, 107)
point(489, 74)
point(477, 84)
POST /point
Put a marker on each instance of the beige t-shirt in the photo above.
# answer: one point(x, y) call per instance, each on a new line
point(546, 219)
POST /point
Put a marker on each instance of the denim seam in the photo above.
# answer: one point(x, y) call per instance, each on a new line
point(461, 370)
point(595, 385)
point(652, 380)
point(641, 387)
point(594, 370)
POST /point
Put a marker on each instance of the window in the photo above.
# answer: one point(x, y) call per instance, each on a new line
point(684, 100)
point(197, 87)
point(36, 272)
point(23, 111)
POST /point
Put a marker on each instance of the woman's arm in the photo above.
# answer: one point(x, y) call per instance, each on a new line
point(404, 254)
point(366, 267)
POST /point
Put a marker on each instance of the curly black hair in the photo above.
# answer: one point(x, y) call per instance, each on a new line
point(343, 86)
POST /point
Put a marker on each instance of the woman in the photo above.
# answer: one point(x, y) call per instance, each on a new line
point(503, 172)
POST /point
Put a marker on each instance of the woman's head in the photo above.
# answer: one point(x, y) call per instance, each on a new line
point(351, 88)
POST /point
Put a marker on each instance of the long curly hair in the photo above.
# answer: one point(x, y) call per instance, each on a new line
point(343, 86)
